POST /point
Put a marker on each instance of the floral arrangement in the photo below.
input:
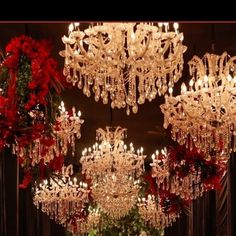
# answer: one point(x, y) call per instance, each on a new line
point(30, 84)
point(186, 173)
point(183, 162)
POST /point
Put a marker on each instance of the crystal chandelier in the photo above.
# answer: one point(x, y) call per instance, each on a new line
point(60, 197)
point(116, 194)
point(125, 63)
point(114, 170)
point(65, 130)
point(188, 187)
point(79, 224)
point(204, 115)
point(153, 213)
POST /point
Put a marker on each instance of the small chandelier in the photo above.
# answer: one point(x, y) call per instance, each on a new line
point(204, 115)
point(188, 187)
point(82, 224)
point(125, 63)
point(60, 197)
point(153, 213)
point(114, 171)
point(65, 130)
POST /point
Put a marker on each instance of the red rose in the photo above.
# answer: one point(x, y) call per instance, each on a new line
point(32, 85)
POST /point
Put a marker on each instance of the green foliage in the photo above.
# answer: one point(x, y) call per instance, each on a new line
point(131, 224)
point(3, 79)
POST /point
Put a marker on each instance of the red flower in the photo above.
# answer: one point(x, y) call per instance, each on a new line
point(3, 102)
point(32, 85)
point(56, 163)
point(24, 117)
point(11, 61)
point(26, 181)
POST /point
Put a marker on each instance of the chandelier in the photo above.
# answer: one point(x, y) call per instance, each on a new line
point(80, 224)
point(125, 63)
point(67, 129)
point(46, 147)
point(114, 170)
point(188, 187)
point(116, 194)
point(204, 115)
point(153, 213)
point(59, 197)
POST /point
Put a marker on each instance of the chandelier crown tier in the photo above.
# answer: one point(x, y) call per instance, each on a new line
point(204, 114)
point(112, 155)
point(124, 62)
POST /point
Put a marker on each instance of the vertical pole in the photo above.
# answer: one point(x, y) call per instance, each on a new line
point(17, 197)
point(2, 196)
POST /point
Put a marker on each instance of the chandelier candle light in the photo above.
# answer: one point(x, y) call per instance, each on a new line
point(124, 62)
point(204, 115)
point(114, 170)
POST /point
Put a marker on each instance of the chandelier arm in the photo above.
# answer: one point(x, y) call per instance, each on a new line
point(166, 46)
point(104, 50)
point(84, 51)
point(197, 62)
point(145, 49)
point(223, 70)
point(229, 63)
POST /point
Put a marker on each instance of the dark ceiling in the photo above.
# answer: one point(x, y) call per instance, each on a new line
point(145, 128)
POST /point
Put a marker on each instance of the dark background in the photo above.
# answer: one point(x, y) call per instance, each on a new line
point(144, 129)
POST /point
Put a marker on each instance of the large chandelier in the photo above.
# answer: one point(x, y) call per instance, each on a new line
point(61, 196)
point(124, 62)
point(114, 170)
point(204, 115)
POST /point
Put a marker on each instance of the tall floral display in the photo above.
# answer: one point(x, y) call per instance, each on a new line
point(30, 85)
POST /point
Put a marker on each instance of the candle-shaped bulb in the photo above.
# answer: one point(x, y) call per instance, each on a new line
point(176, 26)
point(170, 90)
point(153, 156)
point(141, 150)
point(76, 24)
point(73, 111)
point(71, 27)
point(229, 78)
point(191, 83)
point(183, 88)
